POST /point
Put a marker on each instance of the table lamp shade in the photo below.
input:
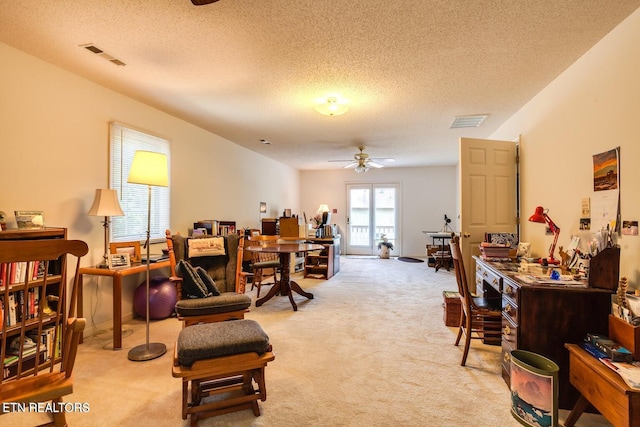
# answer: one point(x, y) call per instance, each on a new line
point(323, 208)
point(105, 203)
point(149, 168)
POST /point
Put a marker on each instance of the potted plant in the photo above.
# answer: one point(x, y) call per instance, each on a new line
point(384, 247)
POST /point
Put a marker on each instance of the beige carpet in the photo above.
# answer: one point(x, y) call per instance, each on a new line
point(370, 350)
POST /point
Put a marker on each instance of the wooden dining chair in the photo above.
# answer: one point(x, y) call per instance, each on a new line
point(480, 318)
point(40, 336)
point(261, 263)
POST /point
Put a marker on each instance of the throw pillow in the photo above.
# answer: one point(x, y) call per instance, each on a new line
point(210, 246)
point(192, 285)
point(208, 281)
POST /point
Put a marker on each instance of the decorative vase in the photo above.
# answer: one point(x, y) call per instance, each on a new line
point(384, 252)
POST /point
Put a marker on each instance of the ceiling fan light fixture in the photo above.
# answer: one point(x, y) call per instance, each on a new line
point(361, 168)
point(332, 106)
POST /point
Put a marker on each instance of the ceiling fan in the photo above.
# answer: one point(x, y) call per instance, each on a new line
point(202, 2)
point(362, 162)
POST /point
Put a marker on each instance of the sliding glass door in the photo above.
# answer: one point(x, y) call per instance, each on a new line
point(372, 213)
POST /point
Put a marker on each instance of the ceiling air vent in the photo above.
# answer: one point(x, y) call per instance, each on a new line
point(468, 121)
point(91, 48)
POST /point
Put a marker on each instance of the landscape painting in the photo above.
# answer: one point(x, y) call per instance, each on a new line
point(605, 170)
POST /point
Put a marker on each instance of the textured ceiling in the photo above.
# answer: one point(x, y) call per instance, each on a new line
point(249, 70)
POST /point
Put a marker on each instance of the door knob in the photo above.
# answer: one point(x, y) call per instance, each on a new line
point(466, 234)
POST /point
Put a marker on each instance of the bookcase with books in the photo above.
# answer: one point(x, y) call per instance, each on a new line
point(214, 227)
point(23, 293)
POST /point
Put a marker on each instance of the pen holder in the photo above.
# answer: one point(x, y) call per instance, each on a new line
point(604, 269)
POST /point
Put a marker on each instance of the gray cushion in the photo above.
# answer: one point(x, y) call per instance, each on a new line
point(192, 285)
point(267, 264)
point(210, 340)
point(225, 302)
point(208, 281)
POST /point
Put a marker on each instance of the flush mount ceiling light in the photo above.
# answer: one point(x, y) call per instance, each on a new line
point(332, 106)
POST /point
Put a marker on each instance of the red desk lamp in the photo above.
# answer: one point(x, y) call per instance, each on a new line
point(541, 216)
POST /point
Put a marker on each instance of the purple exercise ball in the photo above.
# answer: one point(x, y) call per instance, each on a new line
point(162, 298)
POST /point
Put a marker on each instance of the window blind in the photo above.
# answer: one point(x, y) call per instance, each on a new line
point(133, 198)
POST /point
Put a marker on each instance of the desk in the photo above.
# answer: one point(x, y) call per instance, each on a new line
point(542, 318)
point(116, 277)
point(285, 285)
point(603, 388)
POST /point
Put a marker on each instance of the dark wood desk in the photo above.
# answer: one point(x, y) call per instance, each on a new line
point(603, 388)
point(542, 318)
point(285, 285)
point(116, 277)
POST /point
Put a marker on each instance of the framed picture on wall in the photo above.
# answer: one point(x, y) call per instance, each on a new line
point(29, 219)
point(130, 248)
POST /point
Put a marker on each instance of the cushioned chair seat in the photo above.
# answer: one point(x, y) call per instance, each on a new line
point(210, 340)
point(223, 303)
point(267, 264)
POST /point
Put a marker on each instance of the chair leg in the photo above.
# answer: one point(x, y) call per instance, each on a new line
point(467, 341)
point(463, 319)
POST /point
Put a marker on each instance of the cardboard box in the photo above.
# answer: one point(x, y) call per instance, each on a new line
point(452, 308)
point(626, 334)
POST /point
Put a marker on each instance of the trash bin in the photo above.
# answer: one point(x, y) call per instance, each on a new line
point(534, 389)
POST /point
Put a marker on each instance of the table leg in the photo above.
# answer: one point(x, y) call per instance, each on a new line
point(577, 410)
point(117, 311)
point(79, 303)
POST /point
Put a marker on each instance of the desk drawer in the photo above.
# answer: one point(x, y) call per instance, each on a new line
point(506, 361)
point(488, 276)
point(510, 310)
point(509, 333)
point(510, 289)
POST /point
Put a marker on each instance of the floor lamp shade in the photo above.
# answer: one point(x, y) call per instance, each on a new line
point(105, 203)
point(151, 169)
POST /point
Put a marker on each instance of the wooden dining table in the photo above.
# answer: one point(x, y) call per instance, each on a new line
point(285, 286)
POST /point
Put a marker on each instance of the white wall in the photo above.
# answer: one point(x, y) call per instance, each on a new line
point(54, 155)
point(592, 107)
point(427, 194)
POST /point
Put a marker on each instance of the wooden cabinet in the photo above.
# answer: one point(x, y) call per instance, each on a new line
point(325, 263)
point(542, 318)
point(16, 299)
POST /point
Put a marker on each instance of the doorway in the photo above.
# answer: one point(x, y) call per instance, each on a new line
point(372, 211)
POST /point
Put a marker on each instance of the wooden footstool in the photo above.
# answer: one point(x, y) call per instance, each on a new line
point(216, 358)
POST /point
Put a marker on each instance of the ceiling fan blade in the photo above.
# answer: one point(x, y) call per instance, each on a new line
point(202, 2)
point(375, 165)
point(383, 159)
point(351, 165)
point(348, 160)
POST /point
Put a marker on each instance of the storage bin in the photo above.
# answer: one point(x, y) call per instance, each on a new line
point(452, 308)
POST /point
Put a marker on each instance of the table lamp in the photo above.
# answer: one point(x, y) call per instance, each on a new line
point(540, 215)
point(150, 169)
point(105, 203)
point(326, 213)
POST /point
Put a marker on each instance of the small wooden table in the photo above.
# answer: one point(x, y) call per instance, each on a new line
point(442, 257)
point(285, 285)
point(116, 276)
point(603, 388)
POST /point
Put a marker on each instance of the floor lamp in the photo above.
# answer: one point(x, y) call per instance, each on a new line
point(105, 204)
point(150, 169)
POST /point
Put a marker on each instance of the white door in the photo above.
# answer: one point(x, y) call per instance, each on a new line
point(488, 194)
point(372, 213)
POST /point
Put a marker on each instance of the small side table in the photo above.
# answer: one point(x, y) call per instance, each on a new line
point(442, 257)
point(603, 388)
point(116, 277)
